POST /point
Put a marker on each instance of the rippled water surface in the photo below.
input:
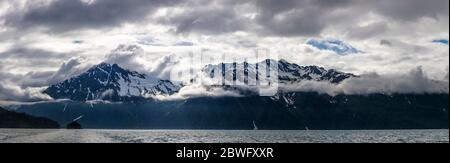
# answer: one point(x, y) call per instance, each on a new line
point(221, 136)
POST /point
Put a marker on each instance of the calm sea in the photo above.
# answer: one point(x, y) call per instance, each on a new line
point(222, 136)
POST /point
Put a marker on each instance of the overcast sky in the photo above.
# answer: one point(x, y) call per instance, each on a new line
point(41, 41)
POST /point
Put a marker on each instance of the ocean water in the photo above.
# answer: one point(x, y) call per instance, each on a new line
point(222, 136)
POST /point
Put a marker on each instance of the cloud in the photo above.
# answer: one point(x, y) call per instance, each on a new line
point(15, 93)
point(128, 56)
point(68, 15)
point(299, 18)
point(78, 41)
point(30, 79)
point(28, 87)
point(263, 17)
point(368, 31)
point(447, 77)
point(410, 10)
point(28, 53)
point(135, 58)
point(406, 46)
point(208, 18)
point(163, 66)
point(19, 58)
point(35, 79)
point(413, 82)
point(194, 91)
point(294, 15)
point(385, 43)
point(289, 18)
point(184, 43)
point(74, 66)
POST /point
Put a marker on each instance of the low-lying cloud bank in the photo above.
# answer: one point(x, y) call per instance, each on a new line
point(193, 91)
point(15, 93)
point(413, 82)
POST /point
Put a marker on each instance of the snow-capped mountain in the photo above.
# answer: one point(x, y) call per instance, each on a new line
point(337, 46)
point(287, 72)
point(110, 82)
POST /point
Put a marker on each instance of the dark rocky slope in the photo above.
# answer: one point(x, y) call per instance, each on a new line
point(10, 119)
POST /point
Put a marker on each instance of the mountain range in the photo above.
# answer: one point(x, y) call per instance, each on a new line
point(287, 72)
point(285, 110)
point(114, 83)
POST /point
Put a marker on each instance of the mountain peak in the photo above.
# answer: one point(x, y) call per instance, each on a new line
point(106, 66)
point(287, 72)
point(110, 82)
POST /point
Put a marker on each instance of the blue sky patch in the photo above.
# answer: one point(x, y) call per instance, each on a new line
point(441, 41)
point(337, 46)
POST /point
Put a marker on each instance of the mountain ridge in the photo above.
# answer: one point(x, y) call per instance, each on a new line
point(287, 72)
point(111, 82)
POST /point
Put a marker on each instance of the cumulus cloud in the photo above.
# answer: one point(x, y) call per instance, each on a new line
point(163, 66)
point(28, 87)
point(22, 85)
point(134, 57)
point(74, 66)
point(130, 57)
